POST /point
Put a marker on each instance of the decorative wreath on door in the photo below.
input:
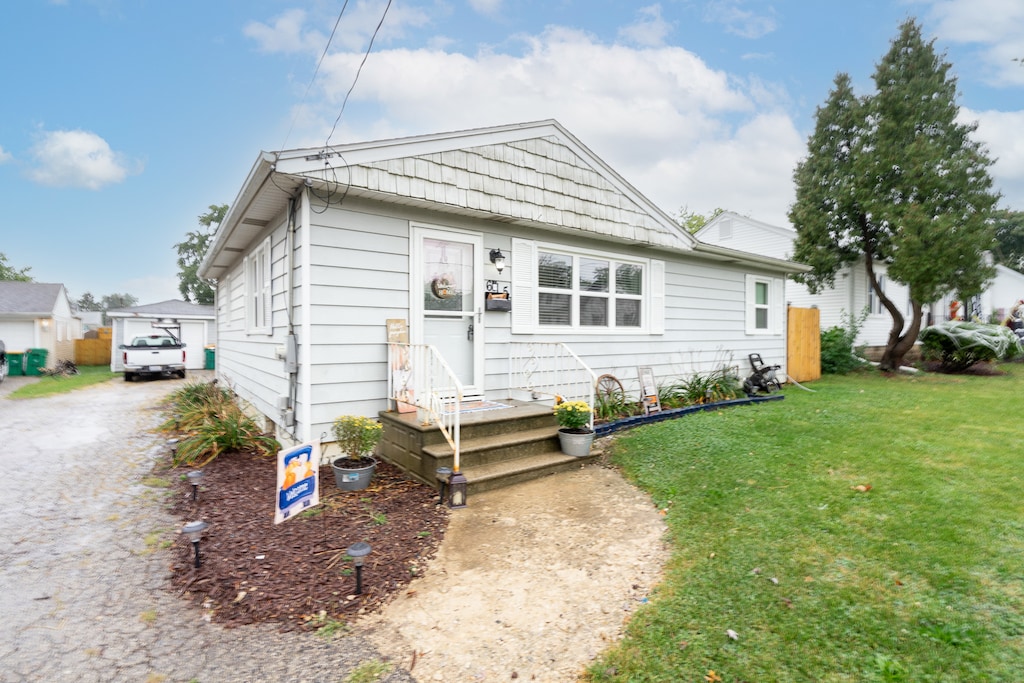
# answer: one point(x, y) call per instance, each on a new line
point(443, 286)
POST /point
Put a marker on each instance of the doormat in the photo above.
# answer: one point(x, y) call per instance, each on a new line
point(477, 406)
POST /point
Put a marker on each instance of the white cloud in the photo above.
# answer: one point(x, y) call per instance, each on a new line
point(5, 156)
point(77, 158)
point(681, 132)
point(997, 26)
point(738, 20)
point(288, 33)
point(649, 30)
point(1000, 131)
point(285, 34)
point(489, 7)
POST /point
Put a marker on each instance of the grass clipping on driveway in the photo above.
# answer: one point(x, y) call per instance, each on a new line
point(871, 531)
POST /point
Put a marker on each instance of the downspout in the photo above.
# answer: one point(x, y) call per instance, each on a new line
point(307, 324)
point(291, 343)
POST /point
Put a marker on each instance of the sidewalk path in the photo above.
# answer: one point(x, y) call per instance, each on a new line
point(84, 593)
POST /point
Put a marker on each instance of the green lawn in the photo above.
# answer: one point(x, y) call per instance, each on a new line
point(88, 375)
point(917, 579)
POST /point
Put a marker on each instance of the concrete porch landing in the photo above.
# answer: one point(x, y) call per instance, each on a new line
point(499, 447)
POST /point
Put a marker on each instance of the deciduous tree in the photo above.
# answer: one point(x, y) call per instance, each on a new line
point(191, 252)
point(1010, 236)
point(8, 272)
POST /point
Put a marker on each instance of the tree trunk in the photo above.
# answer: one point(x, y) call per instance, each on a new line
point(900, 344)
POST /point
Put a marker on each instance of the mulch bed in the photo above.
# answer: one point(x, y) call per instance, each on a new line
point(296, 574)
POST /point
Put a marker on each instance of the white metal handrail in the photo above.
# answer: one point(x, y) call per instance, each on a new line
point(550, 369)
point(418, 375)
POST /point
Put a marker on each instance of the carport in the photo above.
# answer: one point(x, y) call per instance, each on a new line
point(192, 323)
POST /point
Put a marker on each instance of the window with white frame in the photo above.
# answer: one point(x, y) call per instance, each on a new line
point(764, 306)
point(588, 291)
point(874, 301)
point(257, 289)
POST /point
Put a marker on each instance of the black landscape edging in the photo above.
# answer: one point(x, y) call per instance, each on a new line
point(638, 420)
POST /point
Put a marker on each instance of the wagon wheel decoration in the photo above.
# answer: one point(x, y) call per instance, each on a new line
point(609, 390)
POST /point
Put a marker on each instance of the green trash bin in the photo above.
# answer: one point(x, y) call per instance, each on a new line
point(211, 357)
point(15, 362)
point(35, 360)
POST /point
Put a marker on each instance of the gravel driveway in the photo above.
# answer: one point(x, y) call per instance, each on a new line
point(83, 587)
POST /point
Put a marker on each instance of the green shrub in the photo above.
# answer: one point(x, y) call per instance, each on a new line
point(229, 430)
point(958, 345)
point(195, 404)
point(837, 350)
point(212, 423)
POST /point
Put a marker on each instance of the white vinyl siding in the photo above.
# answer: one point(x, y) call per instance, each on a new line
point(257, 289)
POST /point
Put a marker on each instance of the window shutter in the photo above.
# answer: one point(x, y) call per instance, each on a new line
point(524, 288)
point(778, 309)
point(657, 297)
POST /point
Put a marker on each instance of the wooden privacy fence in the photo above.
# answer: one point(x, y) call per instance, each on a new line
point(92, 351)
point(803, 355)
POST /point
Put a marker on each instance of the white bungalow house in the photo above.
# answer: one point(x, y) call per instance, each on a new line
point(38, 315)
point(325, 250)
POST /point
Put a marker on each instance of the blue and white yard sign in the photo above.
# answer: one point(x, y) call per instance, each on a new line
point(298, 480)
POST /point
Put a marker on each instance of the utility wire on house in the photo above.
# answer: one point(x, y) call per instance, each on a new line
point(316, 71)
point(355, 80)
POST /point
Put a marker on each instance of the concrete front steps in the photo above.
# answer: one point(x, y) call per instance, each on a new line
point(498, 447)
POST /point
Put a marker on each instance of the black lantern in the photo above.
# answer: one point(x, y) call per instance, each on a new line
point(498, 259)
point(457, 486)
point(194, 531)
point(358, 552)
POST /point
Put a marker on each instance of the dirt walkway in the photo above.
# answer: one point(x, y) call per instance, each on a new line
point(530, 583)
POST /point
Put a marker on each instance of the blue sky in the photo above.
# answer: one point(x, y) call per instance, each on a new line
point(123, 120)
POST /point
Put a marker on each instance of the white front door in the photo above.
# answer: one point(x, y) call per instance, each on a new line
point(447, 293)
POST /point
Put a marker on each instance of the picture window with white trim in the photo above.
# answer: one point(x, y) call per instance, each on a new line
point(588, 291)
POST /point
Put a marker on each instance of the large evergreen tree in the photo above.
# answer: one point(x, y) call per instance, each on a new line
point(893, 177)
point(191, 253)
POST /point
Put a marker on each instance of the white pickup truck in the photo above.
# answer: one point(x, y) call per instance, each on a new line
point(154, 354)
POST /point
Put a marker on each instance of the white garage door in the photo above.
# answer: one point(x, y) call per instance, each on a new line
point(192, 333)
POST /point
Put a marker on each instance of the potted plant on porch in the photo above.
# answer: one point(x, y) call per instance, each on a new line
point(357, 437)
point(575, 435)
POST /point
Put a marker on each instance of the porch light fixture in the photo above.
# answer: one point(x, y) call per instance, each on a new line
point(498, 259)
point(194, 531)
point(45, 322)
point(457, 485)
point(194, 477)
point(358, 552)
point(443, 473)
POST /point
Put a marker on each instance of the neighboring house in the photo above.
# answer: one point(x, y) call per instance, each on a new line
point(993, 305)
point(192, 323)
point(91, 322)
point(38, 315)
point(323, 248)
point(852, 294)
